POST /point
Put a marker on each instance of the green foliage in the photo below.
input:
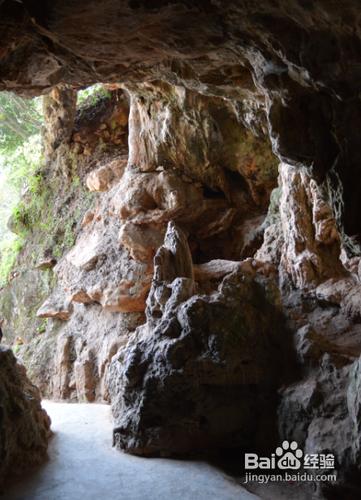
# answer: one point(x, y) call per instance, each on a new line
point(9, 250)
point(57, 251)
point(20, 158)
point(34, 183)
point(19, 119)
point(76, 181)
point(37, 218)
point(69, 237)
point(29, 213)
point(42, 326)
point(16, 349)
point(91, 95)
point(19, 164)
point(17, 171)
point(20, 219)
point(30, 196)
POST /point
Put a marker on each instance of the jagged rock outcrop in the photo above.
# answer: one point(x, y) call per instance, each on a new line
point(24, 425)
point(312, 409)
point(59, 115)
point(59, 108)
point(84, 349)
point(321, 302)
point(202, 372)
point(67, 354)
point(192, 159)
point(311, 249)
point(105, 122)
point(320, 409)
point(56, 306)
point(301, 235)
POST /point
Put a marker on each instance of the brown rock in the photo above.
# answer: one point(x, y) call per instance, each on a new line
point(215, 269)
point(214, 351)
point(100, 179)
point(85, 380)
point(88, 218)
point(206, 367)
point(303, 237)
point(335, 290)
point(86, 252)
point(57, 306)
point(47, 263)
point(155, 197)
point(80, 296)
point(126, 297)
point(61, 378)
point(141, 241)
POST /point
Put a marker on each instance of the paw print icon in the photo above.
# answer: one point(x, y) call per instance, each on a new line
point(289, 455)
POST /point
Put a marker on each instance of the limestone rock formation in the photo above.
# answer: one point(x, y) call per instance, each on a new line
point(70, 361)
point(56, 306)
point(251, 291)
point(68, 348)
point(295, 61)
point(301, 233)
point(111, 263)
point(59, 114)
point(24, 425)
point(311, 250)
point(102, 178)
point(201, 369)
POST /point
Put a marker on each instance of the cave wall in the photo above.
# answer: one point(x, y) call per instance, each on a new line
point(216, 186)
point(64, 339)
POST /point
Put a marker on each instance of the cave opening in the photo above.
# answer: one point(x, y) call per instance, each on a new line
point(187, 250)
point(90, 224)
point(60, 210)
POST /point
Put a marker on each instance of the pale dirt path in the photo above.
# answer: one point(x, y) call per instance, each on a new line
point(84, 466)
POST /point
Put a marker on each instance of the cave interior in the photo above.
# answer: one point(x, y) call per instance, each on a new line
point(210, 291)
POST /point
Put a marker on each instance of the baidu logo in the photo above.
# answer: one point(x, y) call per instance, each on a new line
point(289, 456)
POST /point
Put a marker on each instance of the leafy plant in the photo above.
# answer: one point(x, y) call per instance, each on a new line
point(42, 327)
point(16, 349)
point(91, 95)
point(19, 119)
point(20, 157)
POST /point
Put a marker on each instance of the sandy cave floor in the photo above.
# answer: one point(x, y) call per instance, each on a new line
point(83, 465)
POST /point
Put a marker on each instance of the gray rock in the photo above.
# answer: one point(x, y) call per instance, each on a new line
point(24, 425)
point(202, 372)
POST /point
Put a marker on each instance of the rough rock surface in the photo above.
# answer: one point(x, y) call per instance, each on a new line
point(24, 425)
point(56, 306)
point(210, 88)
point(294, 60)
point(110, 267)
point(301, 234)
point(203, 370)
point(65, 345)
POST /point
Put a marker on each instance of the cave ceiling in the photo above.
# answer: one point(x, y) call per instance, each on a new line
point(296, 62)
